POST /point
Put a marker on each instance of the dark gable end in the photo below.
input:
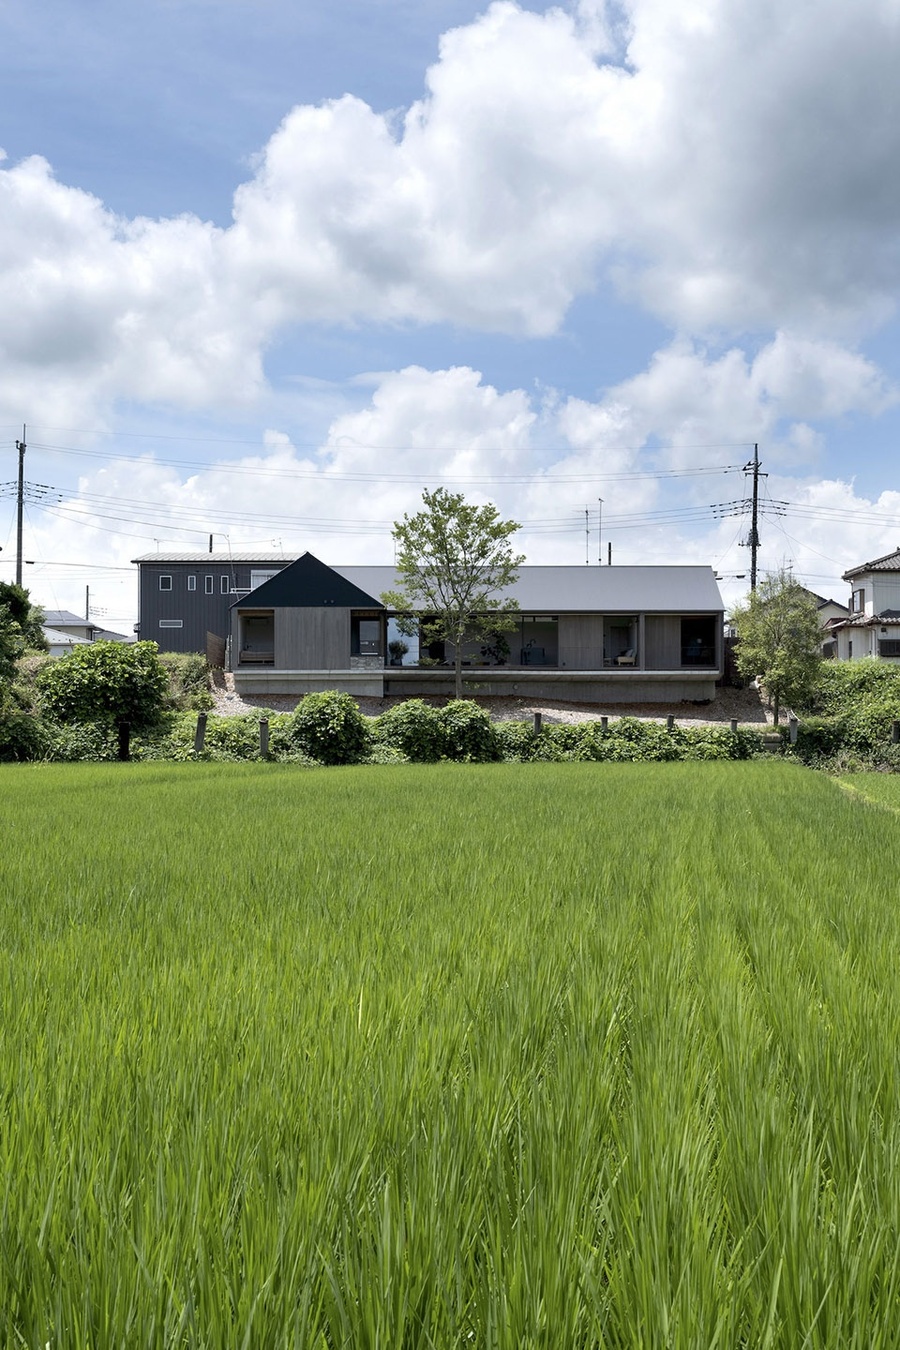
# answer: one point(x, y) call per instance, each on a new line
point(307, 584)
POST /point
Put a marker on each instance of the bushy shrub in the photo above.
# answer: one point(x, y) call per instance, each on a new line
point(415, 729)
point(105, 682)
point(860, 699)
point(87, 742)
point(469, 733)
point(188, 676)
point(330, 728)
point(22, 736)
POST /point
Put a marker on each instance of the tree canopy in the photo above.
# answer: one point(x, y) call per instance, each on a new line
point(106, 682)
point(779, 639)
point(20, 627)
point(454, 561)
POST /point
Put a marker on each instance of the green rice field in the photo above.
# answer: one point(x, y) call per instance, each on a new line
point(503, 1056)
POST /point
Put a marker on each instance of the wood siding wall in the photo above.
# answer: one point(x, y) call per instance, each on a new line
point(312, 639)
point(662, 639)
point(581, 641)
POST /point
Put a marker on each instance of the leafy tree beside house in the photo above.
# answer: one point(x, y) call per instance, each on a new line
point(779, 641)
point(454, 561)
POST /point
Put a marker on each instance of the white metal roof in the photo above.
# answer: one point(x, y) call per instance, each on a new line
point(600, 589)
point(220, 556)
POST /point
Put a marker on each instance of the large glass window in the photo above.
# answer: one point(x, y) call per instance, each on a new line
point(698, 640)
point(538, 640)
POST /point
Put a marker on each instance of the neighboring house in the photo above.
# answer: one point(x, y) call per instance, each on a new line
point(183, 598)
point(60, 643)
point(623, 634)
point(872, 626)
point(831, 613)
point(65, 630)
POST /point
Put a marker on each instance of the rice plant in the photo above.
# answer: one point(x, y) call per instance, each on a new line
point(501, 1056)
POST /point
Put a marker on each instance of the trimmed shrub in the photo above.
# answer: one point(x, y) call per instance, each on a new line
point(330, 728)
point(469, 732)
point(415, 729)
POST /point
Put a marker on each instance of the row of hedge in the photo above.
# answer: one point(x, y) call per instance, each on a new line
point(847, 721)
point(328, 728)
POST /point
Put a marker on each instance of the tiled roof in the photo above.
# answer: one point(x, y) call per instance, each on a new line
point(889, 563)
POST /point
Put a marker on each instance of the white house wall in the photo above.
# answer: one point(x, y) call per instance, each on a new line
point(887, 593)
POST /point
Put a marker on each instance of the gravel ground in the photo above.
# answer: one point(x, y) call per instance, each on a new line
point(744, 704)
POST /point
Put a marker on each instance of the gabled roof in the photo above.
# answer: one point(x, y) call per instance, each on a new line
point(309, 584)
point(53, 618)
point(889, 563)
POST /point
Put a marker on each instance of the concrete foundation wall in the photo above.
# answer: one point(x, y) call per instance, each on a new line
point(300, 682)
point(576, 687)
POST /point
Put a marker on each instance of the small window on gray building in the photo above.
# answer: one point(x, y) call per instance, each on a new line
point(171, 623)
point(223, 585)
point(210, 584)
point(192, 583)
point(889, 647)
point(165, 583)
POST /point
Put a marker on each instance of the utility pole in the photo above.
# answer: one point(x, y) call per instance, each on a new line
point(753, 541)
point(599, 531)
point(20, 499)
point(587, 537)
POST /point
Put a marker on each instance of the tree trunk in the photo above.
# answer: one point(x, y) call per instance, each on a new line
point(457, 663)
point(776, 707)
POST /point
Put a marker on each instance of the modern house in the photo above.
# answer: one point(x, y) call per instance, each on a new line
point(619, 634)
point(872, 626)
point(184, 599)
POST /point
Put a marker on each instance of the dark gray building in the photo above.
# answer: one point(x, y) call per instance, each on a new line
point(183, 598)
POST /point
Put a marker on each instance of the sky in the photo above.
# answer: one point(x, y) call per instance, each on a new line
point(269, 269)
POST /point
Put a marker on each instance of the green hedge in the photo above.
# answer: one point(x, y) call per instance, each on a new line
point(329, 729)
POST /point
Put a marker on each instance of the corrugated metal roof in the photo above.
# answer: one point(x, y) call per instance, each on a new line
point(220, 556)
point(889, 563)
point(198, 559)
point(651, 589)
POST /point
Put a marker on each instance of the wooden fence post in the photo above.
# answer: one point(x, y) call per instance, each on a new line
point(200, 733)
point(124, 740)
point(793, 725)
point(264, 738)
point(538, 719)
point(734, 722)
point(604, 724)
point(895, 732)
point(670, 722)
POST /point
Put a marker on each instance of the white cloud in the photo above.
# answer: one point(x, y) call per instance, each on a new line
point(737, 172)
point(542, 460)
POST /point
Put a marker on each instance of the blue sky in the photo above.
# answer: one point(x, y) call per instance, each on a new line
point(270, 269)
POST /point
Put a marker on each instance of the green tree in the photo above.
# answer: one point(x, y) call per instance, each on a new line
point(20, 627)
point(779, 640)
point(106, 682)
point(454, 561)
